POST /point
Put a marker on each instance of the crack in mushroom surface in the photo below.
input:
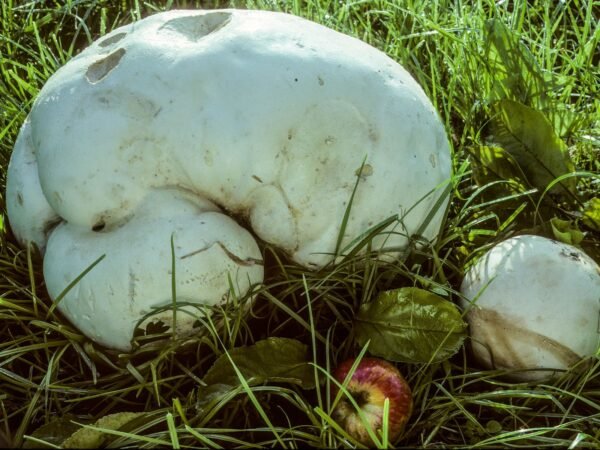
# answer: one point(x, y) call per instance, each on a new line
point(164, 127)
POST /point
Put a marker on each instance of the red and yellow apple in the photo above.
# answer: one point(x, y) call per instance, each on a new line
point(372, 382)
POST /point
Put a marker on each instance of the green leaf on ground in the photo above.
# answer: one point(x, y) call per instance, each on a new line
point(274, 359)
point(591, 214)
point(492, 163)
point(528, 137)
point(410, 325)
point(566, 231)
point(54, 432)
point(517, 76)
point(89, 438)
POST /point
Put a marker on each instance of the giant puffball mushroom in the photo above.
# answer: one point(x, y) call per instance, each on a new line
point(533, 303)
point(31, 217)
point(252, 114)
point(209, 246)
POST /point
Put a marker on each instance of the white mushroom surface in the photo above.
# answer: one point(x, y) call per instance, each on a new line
point(208, 246)
point(259, 114)
point(536, 306)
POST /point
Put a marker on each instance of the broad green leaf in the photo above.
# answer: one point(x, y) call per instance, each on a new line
point(591, 214)
point(565, 231)
point(528, 136)
point(492, 163)
point(564, 120)
point(516, 75)
point(88, 438)
point(410, 325)
point(274, 359)
point(54, 432)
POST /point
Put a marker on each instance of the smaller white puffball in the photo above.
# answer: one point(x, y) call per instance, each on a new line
point(533, 303)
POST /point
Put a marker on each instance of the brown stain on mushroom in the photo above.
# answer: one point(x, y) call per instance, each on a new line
point(194, 28)
point(364, 171)
point(100, 69)
point(500, 336)
point(433, 160)
point(111, 40)
point(50, 225)
point(294, 213)
point(373, 135)
point(232, 256)
point(573, 255)
point(132, 285)
point(98, 226)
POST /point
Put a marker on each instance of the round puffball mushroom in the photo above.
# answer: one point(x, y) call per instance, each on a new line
point(168, 126)
point(208, 246)
point(533, 303)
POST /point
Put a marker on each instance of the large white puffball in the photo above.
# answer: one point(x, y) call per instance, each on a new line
point(533, 303)
point(220, 114)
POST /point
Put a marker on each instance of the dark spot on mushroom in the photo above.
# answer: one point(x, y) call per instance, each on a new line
point(132, 285)
point(507, 335)
point(433, 160)
point(50, 225)
point(101, 68)
point(98, 226)
point(111, 40)
point(373, 134)
point(257, 178)
point(321, 82)
point(364, 171)
point(296, 80)
point(20, 198)
point(571, 255)
point(290, 135)
point(197, 27)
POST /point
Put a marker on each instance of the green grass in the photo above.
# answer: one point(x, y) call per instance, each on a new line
point(51, 376)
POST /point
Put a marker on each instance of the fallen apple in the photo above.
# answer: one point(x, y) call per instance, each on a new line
point(372, 382)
